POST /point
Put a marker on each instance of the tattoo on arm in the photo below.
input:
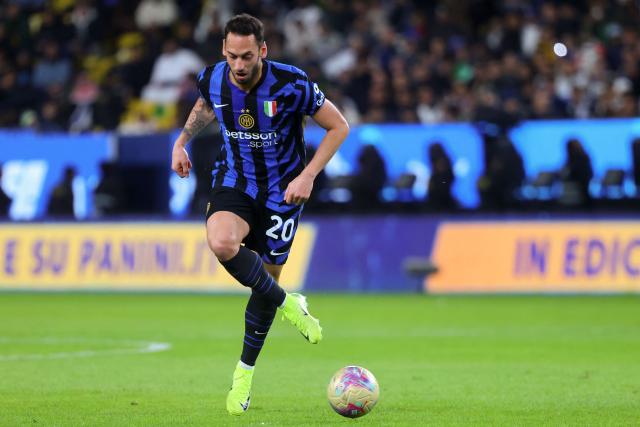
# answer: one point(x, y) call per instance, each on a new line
point(201, 115)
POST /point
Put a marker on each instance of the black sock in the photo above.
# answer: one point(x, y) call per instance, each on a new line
point(247, 268)
point(257, 320)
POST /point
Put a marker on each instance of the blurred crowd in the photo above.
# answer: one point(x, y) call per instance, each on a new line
point(130, 65)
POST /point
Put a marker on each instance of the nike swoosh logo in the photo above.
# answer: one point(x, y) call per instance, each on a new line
point(245, 405)
point(260, 333)
point(219, 105)
point(277, 253)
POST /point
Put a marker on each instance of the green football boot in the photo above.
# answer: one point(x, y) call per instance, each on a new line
point(240, 394)
point(295, 309)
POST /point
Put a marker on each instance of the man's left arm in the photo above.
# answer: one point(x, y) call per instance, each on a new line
point(329, 118)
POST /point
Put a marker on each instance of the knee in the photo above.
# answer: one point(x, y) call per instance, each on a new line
point(224, 248)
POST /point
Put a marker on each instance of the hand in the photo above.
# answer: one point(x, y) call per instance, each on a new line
point(180, 162)
point(299, 190)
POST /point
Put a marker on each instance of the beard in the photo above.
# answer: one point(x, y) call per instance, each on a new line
point(248, 75)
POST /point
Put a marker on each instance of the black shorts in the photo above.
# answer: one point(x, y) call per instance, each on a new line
point(271, 232)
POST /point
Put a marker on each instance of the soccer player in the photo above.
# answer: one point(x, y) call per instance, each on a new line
point(261, 179)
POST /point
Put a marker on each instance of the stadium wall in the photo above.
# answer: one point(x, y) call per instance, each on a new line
point(336, 254)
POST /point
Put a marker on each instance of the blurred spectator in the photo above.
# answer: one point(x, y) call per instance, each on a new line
point(488, 110)
point(83, 95)
point(367, 183)
point(61, 201)
point(428, 111)
point(184, 37)
point(209, 30)
point(110, 104)
point(109, 194)
point(169, 70)
point(5, 201)
point(441, 179)
point(15, 98)
point(156, 13)
point(635, 152)
point(53, 68)
point(24, 65)
point(84, 18)
point(347, 107)
point(15, 32)
point(504, 174)
point(302, 27)
point(134, 70)
point(52, 25)
point(188, 95)
point(50, 119)
point(576, 175)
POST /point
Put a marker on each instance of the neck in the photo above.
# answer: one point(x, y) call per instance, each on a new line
point(251, 83)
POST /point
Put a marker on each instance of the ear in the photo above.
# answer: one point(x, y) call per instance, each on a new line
point(224, 47)
point(263, 50)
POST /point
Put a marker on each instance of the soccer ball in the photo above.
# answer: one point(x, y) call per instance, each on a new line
point(353, 391)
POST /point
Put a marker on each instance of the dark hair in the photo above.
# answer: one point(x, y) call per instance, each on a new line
point(245, 25)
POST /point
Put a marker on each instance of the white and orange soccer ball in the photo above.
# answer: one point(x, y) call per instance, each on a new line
point(353, 391)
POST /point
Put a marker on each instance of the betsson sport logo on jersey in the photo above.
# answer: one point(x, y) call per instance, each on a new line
point(254, 139)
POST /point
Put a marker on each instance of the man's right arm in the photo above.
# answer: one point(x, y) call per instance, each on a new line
point(201, 115)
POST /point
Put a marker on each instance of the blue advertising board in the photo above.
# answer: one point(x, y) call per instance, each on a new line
point(607, 142)
point(33, 164)
point(404, 149)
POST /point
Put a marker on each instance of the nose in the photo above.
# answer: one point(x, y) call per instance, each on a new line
point(238, 64)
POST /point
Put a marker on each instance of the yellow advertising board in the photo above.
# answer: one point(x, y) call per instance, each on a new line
point(561, 256)
point(131, 255)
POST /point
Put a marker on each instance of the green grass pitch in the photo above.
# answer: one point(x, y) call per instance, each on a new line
point(70, 360)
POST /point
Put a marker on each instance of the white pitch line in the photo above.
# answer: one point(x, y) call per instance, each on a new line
point(142, 347)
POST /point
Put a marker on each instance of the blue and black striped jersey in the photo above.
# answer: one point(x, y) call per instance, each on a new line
point(263, 146)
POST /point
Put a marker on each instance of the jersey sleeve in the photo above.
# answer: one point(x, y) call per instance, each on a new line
point(204, 81)
point(314, 97)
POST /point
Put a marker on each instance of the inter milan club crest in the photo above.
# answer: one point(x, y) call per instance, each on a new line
point(270, 108)
point(246, 120)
